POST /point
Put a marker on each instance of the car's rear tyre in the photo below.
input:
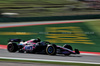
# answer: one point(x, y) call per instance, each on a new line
point(12, 47)
point(51, 49)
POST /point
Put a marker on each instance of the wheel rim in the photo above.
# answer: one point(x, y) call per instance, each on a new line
point(10, 47)
point(50, 50)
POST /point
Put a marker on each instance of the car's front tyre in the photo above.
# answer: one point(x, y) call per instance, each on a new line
point(51, 49)
point(68, 47)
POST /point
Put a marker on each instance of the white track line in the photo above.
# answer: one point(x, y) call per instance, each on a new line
point(47, 60)
point(89, 54)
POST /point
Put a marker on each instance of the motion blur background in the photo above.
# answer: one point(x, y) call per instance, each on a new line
point(50, 10)
point(84, 35)
point(38, 8)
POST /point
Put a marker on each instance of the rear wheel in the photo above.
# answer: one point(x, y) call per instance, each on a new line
point(12, 47)
point(51, 49)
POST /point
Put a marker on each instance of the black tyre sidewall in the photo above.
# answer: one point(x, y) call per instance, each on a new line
point(77, 51)
point(13, 47)
point(68, 46)
point(54, 50)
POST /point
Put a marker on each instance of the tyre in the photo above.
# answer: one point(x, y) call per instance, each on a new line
point(77, 51)
point(12, 47)
point(69, 47)
point(51, 49)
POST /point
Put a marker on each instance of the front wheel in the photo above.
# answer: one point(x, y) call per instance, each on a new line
point(68, 47)
point(51, 49)
point(12, 47)
point(77, 51)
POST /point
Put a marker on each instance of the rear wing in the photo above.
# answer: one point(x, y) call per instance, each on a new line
point(14, 40)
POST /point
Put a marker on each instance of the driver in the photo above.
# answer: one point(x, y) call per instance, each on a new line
point(36, 40)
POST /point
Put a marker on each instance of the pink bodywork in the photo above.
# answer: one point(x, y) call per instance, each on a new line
point(31, 43)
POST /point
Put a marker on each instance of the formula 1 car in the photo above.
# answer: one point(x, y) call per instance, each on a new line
point(38, 46)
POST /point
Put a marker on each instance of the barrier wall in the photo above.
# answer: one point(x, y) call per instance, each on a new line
point(25, 19)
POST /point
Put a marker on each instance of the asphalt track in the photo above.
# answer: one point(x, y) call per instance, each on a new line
point(3, 63)
point(74, 58)
point(91, 59)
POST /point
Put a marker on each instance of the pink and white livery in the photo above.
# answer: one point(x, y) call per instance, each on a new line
point(38, 46)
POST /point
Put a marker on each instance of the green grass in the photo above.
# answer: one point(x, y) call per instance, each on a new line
point(37, 1)
point(94, 25)
point(34, 3)
point(47, 62)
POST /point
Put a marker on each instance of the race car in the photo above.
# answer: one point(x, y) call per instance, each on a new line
point(38, 46)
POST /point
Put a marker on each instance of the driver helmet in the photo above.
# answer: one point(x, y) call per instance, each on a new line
point(32, 40)
point(36, 40)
